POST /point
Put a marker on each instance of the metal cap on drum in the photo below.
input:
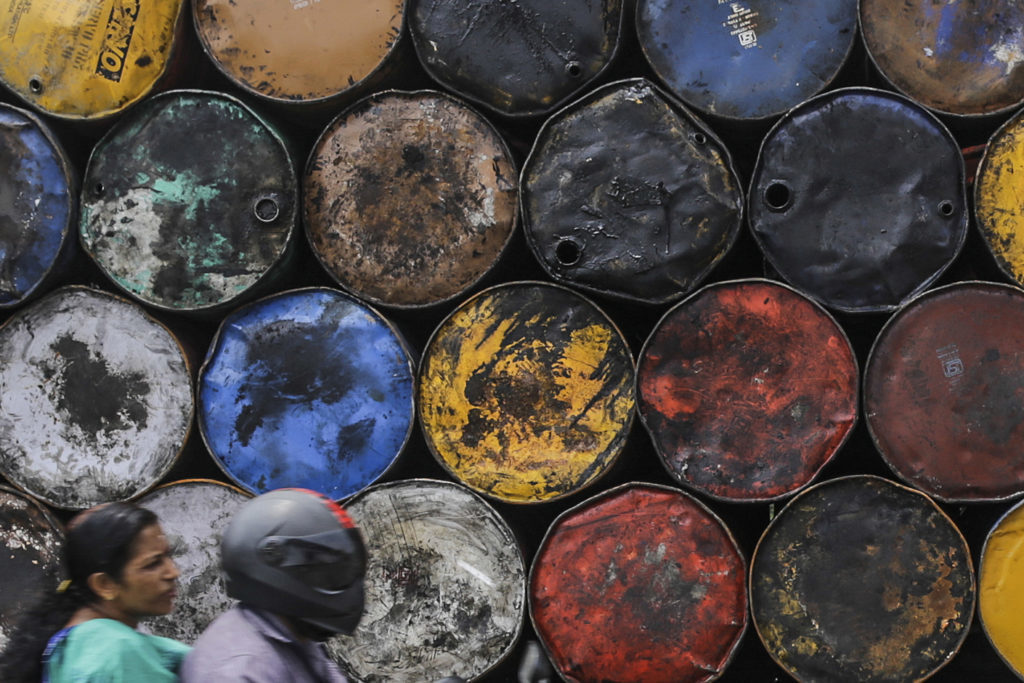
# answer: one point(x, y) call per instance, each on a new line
point(519, 58)
point(858, 235)
point(302, 51)
point(747, 389)
point(639, 583)
point(628, 194)
point(190, 202)
point(749, 60)
point(944, 392)
point(447, 215)
point(38, 206)
point(95, 399)
point(861, 579)
point(962, 57)
point(89, 59)
point(1001, 588)
point(998, 200)
point(525, 392)
point(445, 585)
point(31, 556)
point(308, 388)
point(193, 513)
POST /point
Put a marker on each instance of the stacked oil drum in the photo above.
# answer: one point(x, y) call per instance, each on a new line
point(683, 339)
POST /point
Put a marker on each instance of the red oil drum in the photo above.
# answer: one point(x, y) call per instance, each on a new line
point(95, 399)
point(961, 57)
point(409, 198)
point(193, 513)
point(1001, 588)
point(998, 200)
point(517, 58)
point(525, 392)
point(747, 389)
point(190, 203)
point(31, 559)
point(858, 235)
point(445, 585)
point(639, 583)
point(861, 579)
point(944, 392)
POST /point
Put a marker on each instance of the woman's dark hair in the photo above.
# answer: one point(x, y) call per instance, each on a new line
point(100, 539)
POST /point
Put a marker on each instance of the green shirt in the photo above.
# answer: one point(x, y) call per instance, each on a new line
point(107, 651)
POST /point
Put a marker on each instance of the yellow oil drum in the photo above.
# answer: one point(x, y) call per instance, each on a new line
point(1001, 588)
point(87, 59)
point(998, 200)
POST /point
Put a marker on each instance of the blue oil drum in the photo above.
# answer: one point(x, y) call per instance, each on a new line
point(307, 388)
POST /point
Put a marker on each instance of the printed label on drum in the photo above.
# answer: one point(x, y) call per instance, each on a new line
point(741, 23)
point(952, 364)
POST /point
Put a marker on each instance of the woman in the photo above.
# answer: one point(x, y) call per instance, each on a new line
point(120, 571)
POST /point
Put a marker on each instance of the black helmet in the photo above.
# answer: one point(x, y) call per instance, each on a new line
point(296, 553)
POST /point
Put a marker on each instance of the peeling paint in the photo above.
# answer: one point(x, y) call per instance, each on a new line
point(999, 199)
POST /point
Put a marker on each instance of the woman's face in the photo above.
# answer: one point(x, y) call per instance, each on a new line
point(147, 585)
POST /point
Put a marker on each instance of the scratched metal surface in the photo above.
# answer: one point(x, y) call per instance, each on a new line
point(944, 392)
point(445, 585)
point(309, 388)
point(747, 389)
point(839, 225)
point(190, 201)
point(627, 193)
point(38, 205)
point(998, 200)
point(751, 59)
point(520, 57)
point(639, 583)
point(862, 579)
point(193, 513)
point(95, 399)
point(409, 198)
point(30, 556)
point(963, 57)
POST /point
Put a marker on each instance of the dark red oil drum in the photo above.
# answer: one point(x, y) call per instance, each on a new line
point(31, 559)
point(639, 583)
point(998, 200)
point(747, 389)
point(944, 392)
point(962, 57)
point(858, 234)
point(409, 198)
point(861, 579)
point(95, 399)
point(626, 193)
point(516, 58)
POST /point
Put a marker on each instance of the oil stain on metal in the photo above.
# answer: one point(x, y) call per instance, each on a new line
point(998, 200)
point(525, 392)
point(862, 579)
point(626, 193)
point(639, 583)
point(445, 585)
point(95, 399)
point(747, 389)
point(307, 388)
point(409, 198)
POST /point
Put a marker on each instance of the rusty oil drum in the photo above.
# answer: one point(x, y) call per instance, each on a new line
point(299, 52)
point(747, 389)
point(519, 58)
point(750, 60)
point(944, 392)
point(409, 198)
point(858, 235)
point(639, 583)
point(38, 206)
point(445, 585)
point(306, 388)
point(31, 556)
point(193, 513)
point(88, 60)
point(861, 579)
point(998, 200)
point(961, 57)
point(1001, 588)
point(95, 399)
point(525, 392)
point(626, 193)
point(190, 202)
